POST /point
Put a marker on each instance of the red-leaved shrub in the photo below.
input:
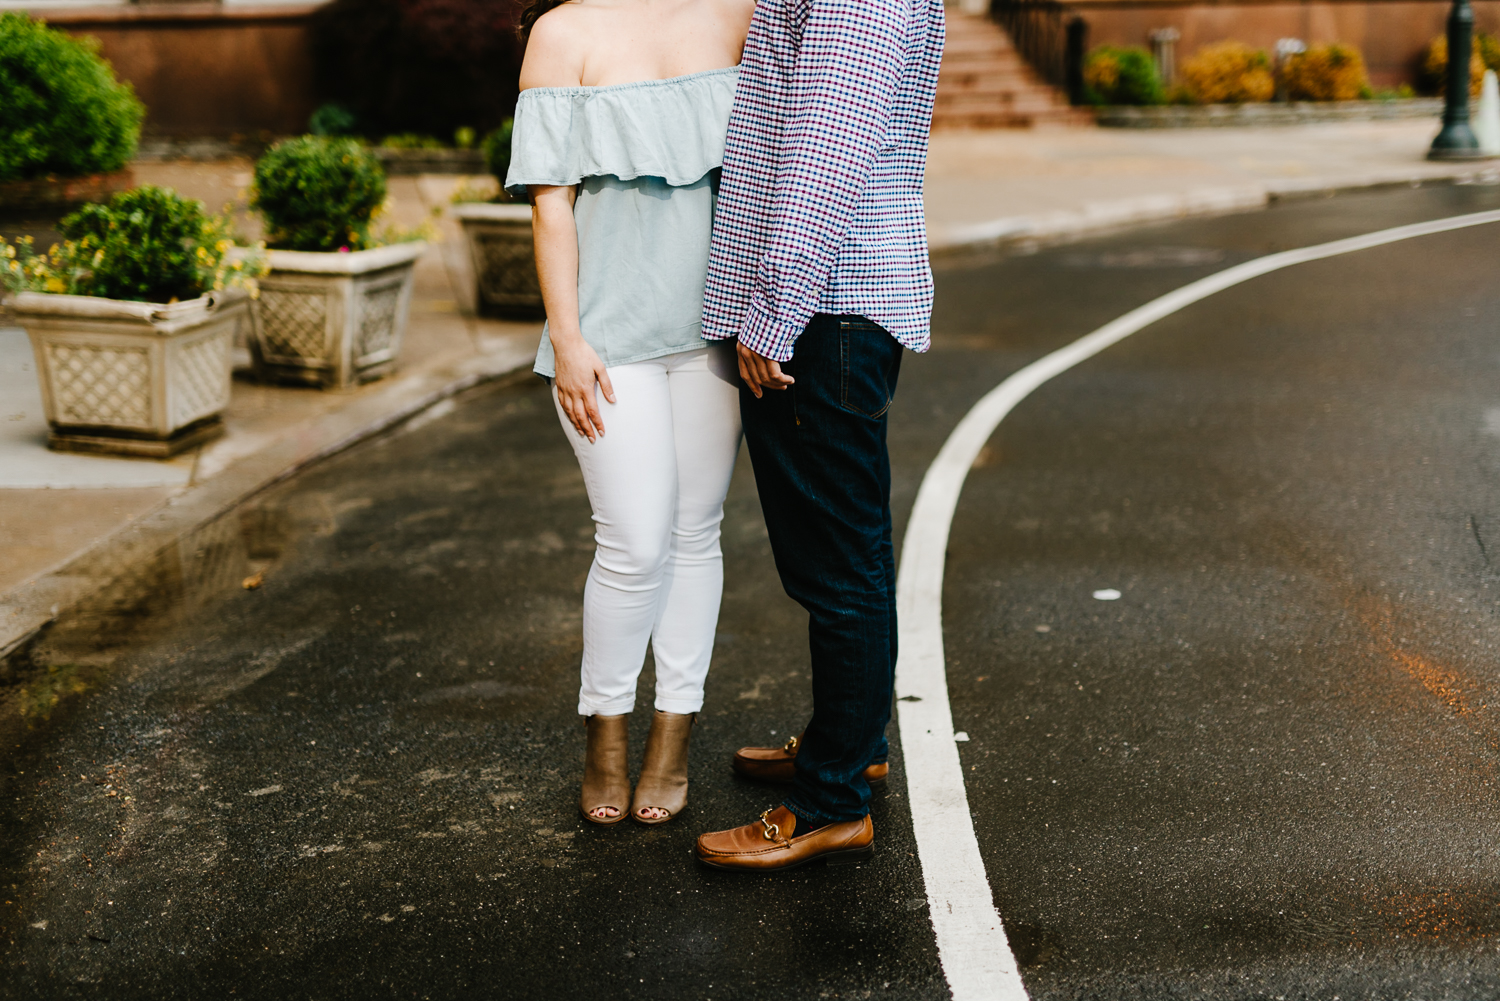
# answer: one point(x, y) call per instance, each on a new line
point(426, 66)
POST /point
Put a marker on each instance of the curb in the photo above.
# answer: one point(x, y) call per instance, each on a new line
point(1101, 218)
point(27, 611)
point(1274, 113)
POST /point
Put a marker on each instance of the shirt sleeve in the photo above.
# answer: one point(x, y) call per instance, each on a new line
point(843, 92)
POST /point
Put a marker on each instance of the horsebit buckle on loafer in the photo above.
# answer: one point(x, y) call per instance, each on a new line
point(790, 747)
point(772, 831)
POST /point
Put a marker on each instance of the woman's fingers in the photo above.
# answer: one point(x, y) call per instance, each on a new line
point(591, 408)
point(581, 408)
point(573, 407)
point(591, 398)
point(575, 414)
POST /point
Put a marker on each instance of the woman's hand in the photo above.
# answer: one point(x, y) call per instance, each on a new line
point(578, 368)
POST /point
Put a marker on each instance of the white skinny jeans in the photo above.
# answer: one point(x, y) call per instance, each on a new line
point(657, 481)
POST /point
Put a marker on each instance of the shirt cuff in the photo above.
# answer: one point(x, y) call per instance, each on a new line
point(766, 335)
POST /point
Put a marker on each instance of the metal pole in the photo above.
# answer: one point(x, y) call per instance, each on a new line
point(1075, 50)
point(1456, 141)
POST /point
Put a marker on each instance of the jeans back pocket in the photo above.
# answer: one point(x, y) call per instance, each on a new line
point(869, 362)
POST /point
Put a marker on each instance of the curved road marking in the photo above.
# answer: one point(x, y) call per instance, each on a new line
point(976, 957)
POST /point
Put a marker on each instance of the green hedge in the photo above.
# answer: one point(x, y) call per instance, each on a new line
point(146, 240)
point(61, 109)
point(318, 193)
point(1121, 75)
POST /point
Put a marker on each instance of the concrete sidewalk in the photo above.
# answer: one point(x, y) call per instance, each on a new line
point(1008, 187)
point(69, 523)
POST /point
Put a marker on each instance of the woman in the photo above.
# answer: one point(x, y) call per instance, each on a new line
point(619, 132)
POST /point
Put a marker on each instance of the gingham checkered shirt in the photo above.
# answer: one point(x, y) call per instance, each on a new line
point(820, 201)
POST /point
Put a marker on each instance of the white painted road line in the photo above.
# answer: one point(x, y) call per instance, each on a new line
point(976, 957)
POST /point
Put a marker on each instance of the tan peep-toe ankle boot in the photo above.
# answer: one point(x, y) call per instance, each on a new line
point(606, 777)
point(664, 782)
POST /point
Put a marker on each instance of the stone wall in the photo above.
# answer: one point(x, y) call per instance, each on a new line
point(205, 69)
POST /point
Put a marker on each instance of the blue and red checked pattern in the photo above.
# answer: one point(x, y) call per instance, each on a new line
point(820, 201)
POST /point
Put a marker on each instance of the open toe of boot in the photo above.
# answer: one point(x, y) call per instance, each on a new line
point(606, 779)
point(663, 783)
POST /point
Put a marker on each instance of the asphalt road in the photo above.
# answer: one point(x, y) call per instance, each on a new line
point(1267, 770)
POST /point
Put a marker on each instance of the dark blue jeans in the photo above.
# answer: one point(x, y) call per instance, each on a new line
point(825, 486)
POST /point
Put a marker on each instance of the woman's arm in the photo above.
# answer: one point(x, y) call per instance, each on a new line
point(578, 364)
point(554, 59)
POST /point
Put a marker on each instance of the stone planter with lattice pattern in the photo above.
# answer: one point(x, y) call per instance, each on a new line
point(333, 320)
point(500, 246)
point(132, 378)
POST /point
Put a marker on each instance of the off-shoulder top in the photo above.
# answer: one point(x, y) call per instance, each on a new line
point(645, 157)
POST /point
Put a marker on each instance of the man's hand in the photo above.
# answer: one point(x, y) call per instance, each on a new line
point(760, 372)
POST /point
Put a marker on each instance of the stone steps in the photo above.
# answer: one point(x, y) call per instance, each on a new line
point(984, 82)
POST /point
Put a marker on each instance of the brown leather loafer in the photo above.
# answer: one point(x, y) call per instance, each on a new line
point(771, 844)
point(774, 764)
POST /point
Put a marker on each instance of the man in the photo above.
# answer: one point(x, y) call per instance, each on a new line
point(819, 269)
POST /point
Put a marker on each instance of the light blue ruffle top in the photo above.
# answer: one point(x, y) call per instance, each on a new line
point(646, 158)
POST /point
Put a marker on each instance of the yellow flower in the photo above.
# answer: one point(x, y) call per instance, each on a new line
point(55, 285)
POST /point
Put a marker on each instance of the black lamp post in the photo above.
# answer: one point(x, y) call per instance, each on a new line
point(1456, 141)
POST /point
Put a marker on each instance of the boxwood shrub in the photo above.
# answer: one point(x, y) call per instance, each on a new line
point(318, 193)
point(61, 109)
point(426, 66)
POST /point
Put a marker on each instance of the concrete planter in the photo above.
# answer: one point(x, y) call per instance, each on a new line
point(333, 320)
point(132, 378)
point(499, 238)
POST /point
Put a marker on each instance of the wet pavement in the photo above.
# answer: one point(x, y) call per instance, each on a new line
point(1267, 770)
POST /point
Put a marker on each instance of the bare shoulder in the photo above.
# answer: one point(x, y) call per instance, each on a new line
point(557, 46)
point(738, 11)
point(732, 22)
point(744, 9)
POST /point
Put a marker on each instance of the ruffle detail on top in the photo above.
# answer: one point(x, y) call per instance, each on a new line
point(673, 129)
